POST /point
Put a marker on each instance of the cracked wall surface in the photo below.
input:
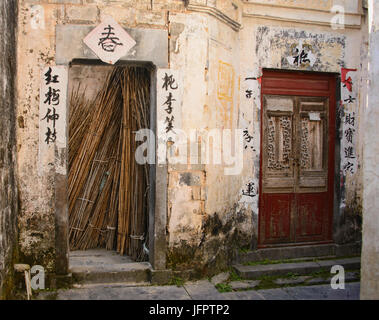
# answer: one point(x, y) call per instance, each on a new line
point(210, 214)
point(370, 246)
point(8, 188)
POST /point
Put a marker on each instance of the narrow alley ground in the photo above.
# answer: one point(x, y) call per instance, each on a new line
point(202, 290)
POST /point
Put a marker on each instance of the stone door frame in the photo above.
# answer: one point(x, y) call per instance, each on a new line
point(150, 52)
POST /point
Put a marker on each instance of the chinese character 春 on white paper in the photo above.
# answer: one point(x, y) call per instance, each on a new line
point(109, 41)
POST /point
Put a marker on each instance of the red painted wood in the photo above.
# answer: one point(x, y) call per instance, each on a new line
point(277, 224)
point(313, 211)
point(311, 217)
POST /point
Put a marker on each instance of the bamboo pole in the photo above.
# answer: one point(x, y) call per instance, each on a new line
point(107, 188)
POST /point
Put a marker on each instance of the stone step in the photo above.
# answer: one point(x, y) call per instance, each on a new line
point(103, 266)
point(137, 272)
point(301, 268)
point(292, 252)
point(110, 285)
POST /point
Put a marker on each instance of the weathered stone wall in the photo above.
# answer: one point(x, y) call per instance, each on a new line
point(40, 23)
point(370, 245)
point(268, 43)
point(8, 188)
point(206, 224)
point(208, 214)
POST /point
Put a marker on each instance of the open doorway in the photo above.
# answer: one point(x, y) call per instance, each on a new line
point(108, 190)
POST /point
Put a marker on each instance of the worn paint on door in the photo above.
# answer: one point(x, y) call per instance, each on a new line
point(297, 158)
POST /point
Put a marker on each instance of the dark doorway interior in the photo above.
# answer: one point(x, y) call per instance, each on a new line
point(107, 188)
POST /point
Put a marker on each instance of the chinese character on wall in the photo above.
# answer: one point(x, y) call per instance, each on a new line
point(109, 41)
point(53, 105)
point(349, 121)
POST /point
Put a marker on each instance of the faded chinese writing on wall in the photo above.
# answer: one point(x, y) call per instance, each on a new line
point(249, 87)
point(301, 55)
point(249, 194)
point(53, 105)
point(349, 121)
point(169, 86)
point(250, 190)
point(169, 100)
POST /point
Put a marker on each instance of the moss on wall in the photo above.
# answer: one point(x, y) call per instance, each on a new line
point(350, 223)
point(8, 189)
point(219, 244)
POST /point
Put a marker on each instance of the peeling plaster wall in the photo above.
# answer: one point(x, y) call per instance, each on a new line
point(8, 187)
point(38, 20)
point(209, 214)
point(205, 221)
point(370, 245)
point(270, 44)
point(259, 44)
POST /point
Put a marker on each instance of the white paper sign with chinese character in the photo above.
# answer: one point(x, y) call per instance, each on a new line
point(169, 108)
point(314, 116)
point(52, 110)
point(109, 41)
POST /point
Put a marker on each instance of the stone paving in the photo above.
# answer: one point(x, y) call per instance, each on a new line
point(107, 276)
point(204, 290)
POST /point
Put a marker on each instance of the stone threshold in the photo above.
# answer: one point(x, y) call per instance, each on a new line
point(299, 268)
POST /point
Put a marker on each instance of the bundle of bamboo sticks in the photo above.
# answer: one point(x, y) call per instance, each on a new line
point(108, 205)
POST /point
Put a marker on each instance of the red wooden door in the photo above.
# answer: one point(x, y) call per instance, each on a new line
point(297, 158)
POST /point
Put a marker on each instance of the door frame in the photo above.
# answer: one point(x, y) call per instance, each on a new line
point(157, 197)
point(66, 38)
point(333, 141)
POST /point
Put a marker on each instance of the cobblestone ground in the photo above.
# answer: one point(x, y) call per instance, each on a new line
point(204, 290)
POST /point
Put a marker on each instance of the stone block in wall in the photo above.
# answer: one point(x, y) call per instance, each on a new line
point(184, 213)
point(199, 2)
point(145, 4)
point(171, 5)
point(137, 4)
point(151, 17)
point(196, 193)
point(191, 178)
point(82, 14)
point(35, 1)
point(180, 194)
point(186, 167)
point(203, 193)
point(64, 1)
point(151, 45)
point(124, 16)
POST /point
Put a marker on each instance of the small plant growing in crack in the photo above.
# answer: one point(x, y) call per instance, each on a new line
point(292, 275)
point(224, 287)
point(176, 281)
point(234, 276)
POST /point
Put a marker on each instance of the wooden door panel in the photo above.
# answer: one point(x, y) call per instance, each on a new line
point(277, 213)
point(283, 84)
point(278, 158)
point(276, 185)
point(313, 135)
point(312, 184)
point(311, 214)
point(297, 156)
